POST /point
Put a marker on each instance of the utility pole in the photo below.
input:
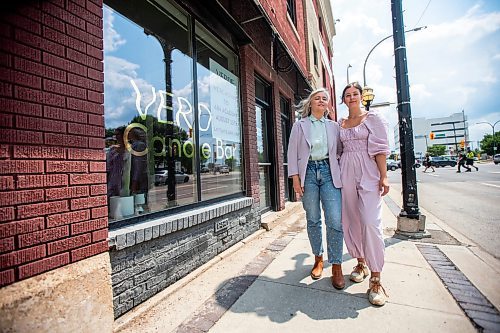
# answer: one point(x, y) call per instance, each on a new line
point(410, 222)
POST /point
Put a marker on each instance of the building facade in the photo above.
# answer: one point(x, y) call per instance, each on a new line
point(139, 140)
point(319, 32)
point(451, 132)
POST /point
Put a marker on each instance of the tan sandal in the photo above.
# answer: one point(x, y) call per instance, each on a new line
point(376, 293)
point(359, 272)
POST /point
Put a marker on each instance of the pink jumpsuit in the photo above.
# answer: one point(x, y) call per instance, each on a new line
point(361, 200)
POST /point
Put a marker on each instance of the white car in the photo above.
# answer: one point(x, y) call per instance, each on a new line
point(392, 164)
point(161, 177)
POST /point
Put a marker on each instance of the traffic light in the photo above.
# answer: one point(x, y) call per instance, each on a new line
point(432, 136)
point(462, 143)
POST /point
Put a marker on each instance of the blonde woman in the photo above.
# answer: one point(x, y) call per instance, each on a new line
point(313, 154)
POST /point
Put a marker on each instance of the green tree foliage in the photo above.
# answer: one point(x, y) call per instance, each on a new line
point(109, 132)
point(436, 150)
point(487, 143)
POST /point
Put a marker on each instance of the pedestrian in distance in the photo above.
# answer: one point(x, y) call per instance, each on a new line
point(364, 181)
point(462, 159)
point(313, 151)
point(428, 163)
point(470, 160)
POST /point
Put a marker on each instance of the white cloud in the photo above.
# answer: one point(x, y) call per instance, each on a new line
point(112, 39)
point(452, 65)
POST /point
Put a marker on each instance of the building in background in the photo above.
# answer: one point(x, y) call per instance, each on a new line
point(139, 140)
point(319, 31)
point(451, 132)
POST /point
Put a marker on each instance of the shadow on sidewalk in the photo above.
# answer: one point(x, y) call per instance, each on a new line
point(281, 299)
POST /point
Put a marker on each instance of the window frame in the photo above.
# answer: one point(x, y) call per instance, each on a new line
point(193, 45)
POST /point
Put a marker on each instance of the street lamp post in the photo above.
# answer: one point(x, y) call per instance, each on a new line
point(410, 222)
point(493, 130)
point(373, 48)
point(349, 66)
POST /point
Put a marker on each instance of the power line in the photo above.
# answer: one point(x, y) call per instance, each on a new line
point(425, 9)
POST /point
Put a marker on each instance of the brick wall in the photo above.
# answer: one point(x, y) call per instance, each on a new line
point(252, 62)
point(277, 12)
point(52, 181)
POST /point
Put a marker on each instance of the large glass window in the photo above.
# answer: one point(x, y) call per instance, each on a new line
point(219, 115)
point(150, 110)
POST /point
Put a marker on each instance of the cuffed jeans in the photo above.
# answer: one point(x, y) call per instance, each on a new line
point(318, 187)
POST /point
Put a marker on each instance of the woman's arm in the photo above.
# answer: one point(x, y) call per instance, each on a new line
point(382, 168)
point(293, 165)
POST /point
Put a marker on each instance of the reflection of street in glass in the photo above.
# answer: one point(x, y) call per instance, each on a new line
point(211, 186)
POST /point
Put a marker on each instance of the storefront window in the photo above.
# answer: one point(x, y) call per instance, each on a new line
point(219, 114)
point(151, 145)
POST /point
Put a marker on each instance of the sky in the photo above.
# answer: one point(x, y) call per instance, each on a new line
point(453, 65)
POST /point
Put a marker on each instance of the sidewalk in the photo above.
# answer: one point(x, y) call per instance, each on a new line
point(263, 285)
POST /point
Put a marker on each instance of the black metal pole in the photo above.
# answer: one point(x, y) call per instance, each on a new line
point(410, 197)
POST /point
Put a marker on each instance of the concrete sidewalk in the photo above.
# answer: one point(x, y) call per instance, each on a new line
point(263, 285)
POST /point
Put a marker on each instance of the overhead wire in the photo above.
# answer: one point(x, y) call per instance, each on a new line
point(425, 9)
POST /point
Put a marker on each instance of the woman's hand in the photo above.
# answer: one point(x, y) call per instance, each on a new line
point(299, 190)
point(383, 186)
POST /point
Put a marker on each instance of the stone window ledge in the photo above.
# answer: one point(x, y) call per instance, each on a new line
point(135, 234)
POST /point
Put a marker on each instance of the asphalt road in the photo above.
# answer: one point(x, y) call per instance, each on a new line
point(468, 202)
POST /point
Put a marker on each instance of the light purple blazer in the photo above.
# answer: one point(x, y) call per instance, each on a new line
point(299, 149)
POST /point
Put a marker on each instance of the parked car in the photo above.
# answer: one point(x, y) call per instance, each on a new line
point(161, 177)
point(442, 161)
point(496, 158)
point(392, 164)
point(224, 169)
point(204, 169)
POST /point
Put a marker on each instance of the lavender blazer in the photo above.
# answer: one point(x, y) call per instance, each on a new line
point(299, 149)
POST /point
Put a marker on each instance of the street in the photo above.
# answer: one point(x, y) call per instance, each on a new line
point(467, 201)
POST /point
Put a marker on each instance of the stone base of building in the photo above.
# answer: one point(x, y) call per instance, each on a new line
point(74, 298)
point(148, 257)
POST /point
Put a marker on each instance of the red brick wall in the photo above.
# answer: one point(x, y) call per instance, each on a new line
point(252, 63)
point(277, 12)
point(52, 164)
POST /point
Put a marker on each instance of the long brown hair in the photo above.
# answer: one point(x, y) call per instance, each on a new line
point(353, 84)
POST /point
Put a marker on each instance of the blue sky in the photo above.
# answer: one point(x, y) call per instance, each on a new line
point(454, 64)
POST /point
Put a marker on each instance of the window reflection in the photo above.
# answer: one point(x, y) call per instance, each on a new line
point(150, 110)
point(148, 97)
point(219, 114)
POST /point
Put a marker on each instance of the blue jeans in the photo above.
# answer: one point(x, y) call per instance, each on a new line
point(318, 186)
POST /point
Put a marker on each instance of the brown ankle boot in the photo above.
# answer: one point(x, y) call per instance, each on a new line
point(338, 281)
point(318, 267)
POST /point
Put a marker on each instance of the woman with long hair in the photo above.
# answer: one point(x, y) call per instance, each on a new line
point(364, 182)
point(313, 153)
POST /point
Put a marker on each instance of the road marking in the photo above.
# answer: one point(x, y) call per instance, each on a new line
point(430, 174)
point(495, 172)
point(493, 185)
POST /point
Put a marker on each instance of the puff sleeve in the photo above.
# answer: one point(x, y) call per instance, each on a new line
point(378, 142)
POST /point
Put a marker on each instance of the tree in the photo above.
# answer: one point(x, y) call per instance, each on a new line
point(109, 133)
point(436, 150)
point(487, 143)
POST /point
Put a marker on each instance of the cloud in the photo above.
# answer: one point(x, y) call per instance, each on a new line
point(452, 65)
point(120, 97)
point(112, 39)
point(460, 33)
